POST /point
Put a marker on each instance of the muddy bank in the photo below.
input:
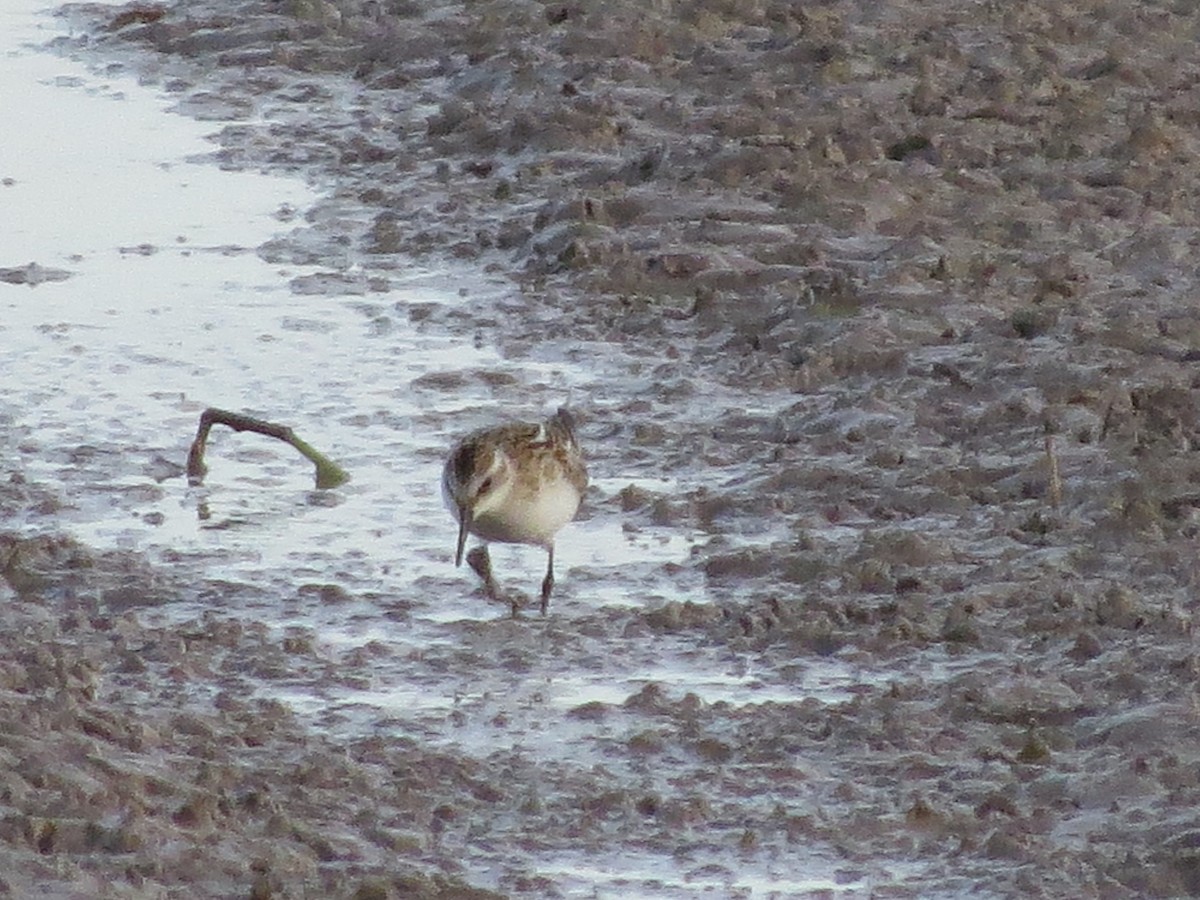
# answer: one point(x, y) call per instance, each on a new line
point(899, 297)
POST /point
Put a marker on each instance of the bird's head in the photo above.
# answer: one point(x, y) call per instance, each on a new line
point(477, 484)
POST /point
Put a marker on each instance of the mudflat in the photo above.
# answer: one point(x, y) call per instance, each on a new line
point(901, 297)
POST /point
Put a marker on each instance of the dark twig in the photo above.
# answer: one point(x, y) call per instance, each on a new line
point(329, 473)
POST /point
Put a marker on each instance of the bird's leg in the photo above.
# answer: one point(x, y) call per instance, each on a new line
point(548, 581)
point(481, 563)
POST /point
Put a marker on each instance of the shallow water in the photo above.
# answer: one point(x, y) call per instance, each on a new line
point(169, 309)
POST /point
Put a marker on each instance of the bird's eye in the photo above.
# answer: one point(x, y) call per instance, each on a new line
point(485, 485)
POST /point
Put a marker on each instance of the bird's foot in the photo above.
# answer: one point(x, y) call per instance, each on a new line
point(517, 601)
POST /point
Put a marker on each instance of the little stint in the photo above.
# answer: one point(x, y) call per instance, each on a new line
point(517, 484)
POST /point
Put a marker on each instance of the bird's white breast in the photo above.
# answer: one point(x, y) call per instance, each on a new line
point(528, 518)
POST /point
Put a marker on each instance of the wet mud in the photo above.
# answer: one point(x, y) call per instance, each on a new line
point(888, 308)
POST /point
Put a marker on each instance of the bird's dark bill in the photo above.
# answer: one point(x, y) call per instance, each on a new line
point(464, 526)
